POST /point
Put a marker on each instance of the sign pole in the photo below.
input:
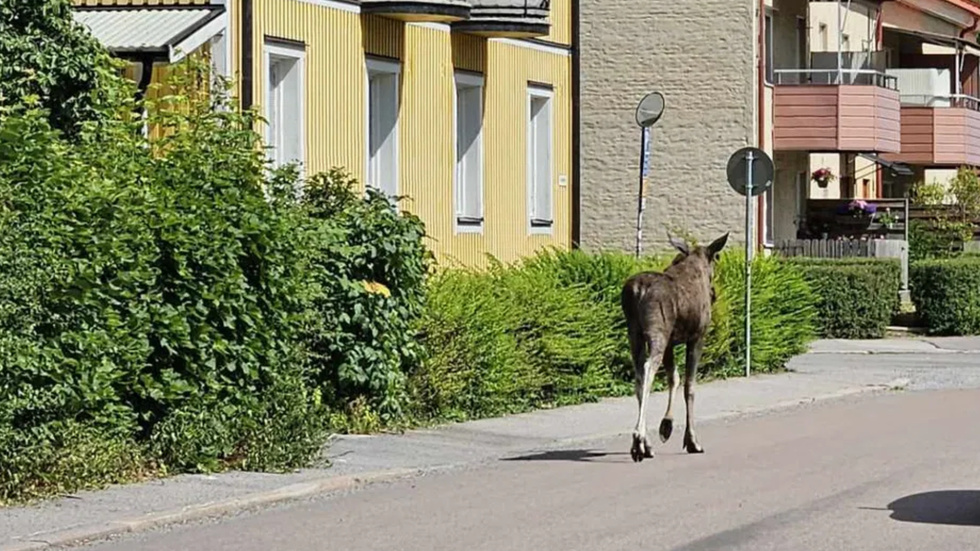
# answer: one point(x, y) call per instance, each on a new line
point(641, 196)
point(648, 112)
point(750, 180)
point(749, 158)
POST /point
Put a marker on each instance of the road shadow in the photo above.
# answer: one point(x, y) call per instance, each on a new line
point(586, 456)
point(950, 507)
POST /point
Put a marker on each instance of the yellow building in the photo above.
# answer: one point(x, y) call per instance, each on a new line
point(462, 106)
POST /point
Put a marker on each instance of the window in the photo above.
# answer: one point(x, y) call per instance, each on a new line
point(539, 159)
point(284, 102)
point(802, 55)
point(768, 46)
point(382, 125)
point(220, 61)
point(468, 181)
point(219, 55)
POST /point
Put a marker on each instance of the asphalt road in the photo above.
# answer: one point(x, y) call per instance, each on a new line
point(900, 471)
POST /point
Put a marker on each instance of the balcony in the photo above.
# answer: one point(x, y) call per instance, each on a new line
point(432, 11)
point(939, 126)
point(507, 19)
point(825, 108)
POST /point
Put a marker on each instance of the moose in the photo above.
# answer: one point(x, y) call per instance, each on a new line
point(663, 310)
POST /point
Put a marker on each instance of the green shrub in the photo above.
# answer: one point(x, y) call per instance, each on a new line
point(946, 294)
point(856, 297)
point(508, 340)
point(550, 330)
point(173, 305)
point(369, 266)
point(47, 56)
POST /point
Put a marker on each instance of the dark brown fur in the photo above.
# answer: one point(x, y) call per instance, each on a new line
point(664, 310)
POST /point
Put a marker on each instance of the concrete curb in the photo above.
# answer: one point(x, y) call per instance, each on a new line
point(889, 352)
point(301, 490)
point(193, 512)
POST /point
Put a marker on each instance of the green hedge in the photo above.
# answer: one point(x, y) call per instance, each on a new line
point(946, 294)
point(549, 330)
point(856, 297)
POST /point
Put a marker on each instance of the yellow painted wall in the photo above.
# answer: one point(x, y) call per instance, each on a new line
point(560, 17)
point(336, 44)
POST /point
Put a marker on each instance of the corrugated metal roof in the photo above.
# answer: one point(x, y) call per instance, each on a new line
point(142, 30)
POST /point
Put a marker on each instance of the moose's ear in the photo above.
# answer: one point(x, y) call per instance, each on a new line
point(679, 244)
point(717, 245)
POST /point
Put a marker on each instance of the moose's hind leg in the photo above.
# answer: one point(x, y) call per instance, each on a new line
point(645, 373)
point(694, 350)
point(667, 424)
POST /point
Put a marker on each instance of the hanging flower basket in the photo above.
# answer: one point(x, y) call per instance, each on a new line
point(822, 176)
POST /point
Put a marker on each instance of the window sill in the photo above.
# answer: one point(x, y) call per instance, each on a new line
point(469, 224)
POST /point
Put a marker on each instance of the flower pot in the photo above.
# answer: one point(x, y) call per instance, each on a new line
point(822, 182)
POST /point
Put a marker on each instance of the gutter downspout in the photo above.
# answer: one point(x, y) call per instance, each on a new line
point(576, 126)
point(760, 200)
point(248, 54)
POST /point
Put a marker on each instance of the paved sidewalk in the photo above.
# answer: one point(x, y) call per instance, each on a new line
point(815, 376)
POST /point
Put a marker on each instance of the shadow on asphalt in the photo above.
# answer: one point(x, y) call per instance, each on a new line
point(588, 456)
point(951, 507)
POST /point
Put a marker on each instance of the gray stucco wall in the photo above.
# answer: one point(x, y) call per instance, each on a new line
point(700, 55)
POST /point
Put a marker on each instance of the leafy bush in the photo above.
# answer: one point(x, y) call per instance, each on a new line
point(173, 305)
point(45, 55)
point(856, 298)
point(549, 330)
point(509, 340)
point(369, 266)
point(957, 207)
point(149, 295)
point(946, 293)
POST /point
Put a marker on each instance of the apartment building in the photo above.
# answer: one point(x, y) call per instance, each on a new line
point(462, 106)
point(880, 93)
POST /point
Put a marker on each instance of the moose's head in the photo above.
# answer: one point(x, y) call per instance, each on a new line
point(703, 257)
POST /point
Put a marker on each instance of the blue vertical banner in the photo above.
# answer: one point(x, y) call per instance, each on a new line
point(646, 152)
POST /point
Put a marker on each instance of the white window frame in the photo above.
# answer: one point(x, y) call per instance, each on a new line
point(467, 222)
point(374, 65)
point(221, 54)
point(275, 49)
point(538, 93)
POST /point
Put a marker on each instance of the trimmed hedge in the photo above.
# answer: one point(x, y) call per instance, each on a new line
point(548, 330)
point(946, 294)
point(856, 297)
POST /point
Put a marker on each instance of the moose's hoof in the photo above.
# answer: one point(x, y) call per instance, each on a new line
point(691, 444)
point(641, 449)
point(666, 429)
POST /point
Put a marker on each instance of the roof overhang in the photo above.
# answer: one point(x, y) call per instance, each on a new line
point(968, 46)
point(959, 13)
point(896, 168)
point(163, 33)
